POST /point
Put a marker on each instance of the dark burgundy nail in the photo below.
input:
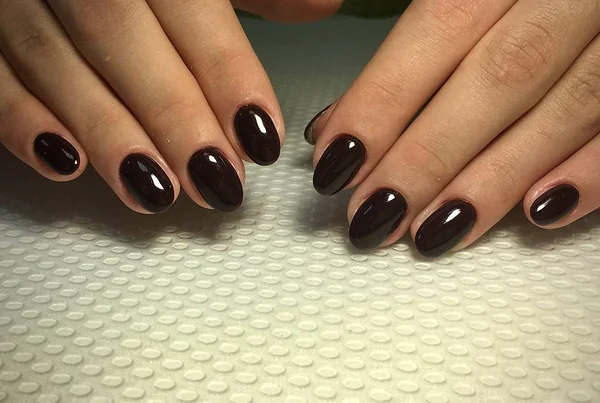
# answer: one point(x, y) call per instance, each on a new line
point(216, 180)
point(554, 205)
point(377, 218)
point(258, 135)
point(309, 132)
point(339, 164)
point(147, 182)
point(57, 152)
point(445, 228)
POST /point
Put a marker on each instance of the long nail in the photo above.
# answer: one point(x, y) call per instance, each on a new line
point(147, 182)
point(216, 180)
point(339, 164)
point(445, 228)
point(258, 135)
point(309, 132)
point(377, 218)
point(57, 152)
point(554, 205)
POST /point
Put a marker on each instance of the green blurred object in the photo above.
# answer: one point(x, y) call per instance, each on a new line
point(365, 8)
point(374, 8)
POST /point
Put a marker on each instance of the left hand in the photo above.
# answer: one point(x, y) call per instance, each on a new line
point(516, 114)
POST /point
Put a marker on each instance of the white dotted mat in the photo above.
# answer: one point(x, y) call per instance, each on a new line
point(271, 304)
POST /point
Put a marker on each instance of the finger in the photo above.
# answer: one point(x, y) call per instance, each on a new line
point(496, 180)
point(48, 64)
point(569, 192)
point(32, 133)
point(149, 76)
point(290, 10)
point(317, 123)
point(428, 43)
point(505, 75)
point(213, 45)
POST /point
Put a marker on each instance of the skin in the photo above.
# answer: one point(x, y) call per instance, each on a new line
point(120, 77)
point(513, 84)
point(515, 109)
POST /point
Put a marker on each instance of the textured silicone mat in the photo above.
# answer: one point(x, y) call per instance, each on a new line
point(271, 304)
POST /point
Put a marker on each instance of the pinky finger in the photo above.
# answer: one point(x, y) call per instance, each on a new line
point(569, 192)
point(32, 133)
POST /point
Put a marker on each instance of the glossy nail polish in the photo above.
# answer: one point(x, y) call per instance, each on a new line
point(445, 228)
point(257, 134)
point(339, 164)
point(554, 205)
point(309, 132)
point(57, 152)
point(216, 180)
point(147, 182)
point(377, 218)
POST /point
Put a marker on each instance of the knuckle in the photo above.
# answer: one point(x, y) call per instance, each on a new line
point(15, 109)
point(95, 125)
point(172, 110)
point(583, 86)
point(30, 41)
point(99, 20)
point(452, 17)
point(383, 90)
point(224, 61)
point(503, 173)
point(516, 58)
point(432, 157)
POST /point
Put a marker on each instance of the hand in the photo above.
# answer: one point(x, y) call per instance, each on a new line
point(157, 94)
point(514, 113)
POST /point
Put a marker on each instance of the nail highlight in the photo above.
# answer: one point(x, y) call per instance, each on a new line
point(147, 182)
point(57, 153)
point(445, 228)
point(554, 205)
point(339, 164)
point(309, 132)
point(377, 218)
point(216, 180)
point(257, 134)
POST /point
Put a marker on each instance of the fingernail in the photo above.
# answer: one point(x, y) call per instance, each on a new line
point(258, 135)
point(445, 228)
point(309, 132)
point(147, 182)
point(57, 152)
point(339, 164)
point(377, 218)
point(216, 180)
point(554, 205)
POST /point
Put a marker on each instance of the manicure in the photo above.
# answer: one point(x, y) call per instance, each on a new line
point(147, 182)
point(216, 180)
point(257, 134)
point(57, 152)
point(377, 218)
point(554, 205)
point(445, 228)
point(339, 164)
point(309, 132)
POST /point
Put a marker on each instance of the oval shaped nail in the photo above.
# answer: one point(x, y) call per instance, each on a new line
point(377, 218)
point(57, 153)
point(309, 132)
point(216, 180)
point(340, 162)
point(554, 205)
point(257, 134)
point(147, 183)
point(445, 228)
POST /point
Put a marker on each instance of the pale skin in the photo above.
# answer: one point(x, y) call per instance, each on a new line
point(514, 90)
